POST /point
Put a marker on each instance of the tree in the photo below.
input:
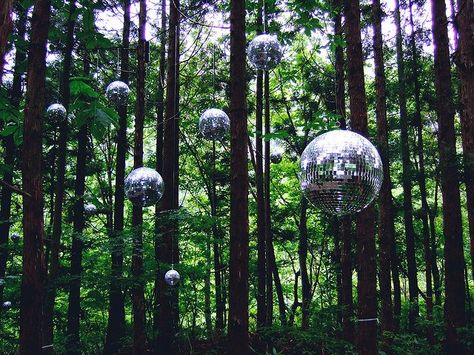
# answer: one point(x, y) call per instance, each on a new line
point(239, 235)
point(34, 272)
point(6, 25)
point(365, 228)
point(454, 308)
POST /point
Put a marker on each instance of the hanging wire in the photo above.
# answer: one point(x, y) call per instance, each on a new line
point(118, 62)
point(214, 75)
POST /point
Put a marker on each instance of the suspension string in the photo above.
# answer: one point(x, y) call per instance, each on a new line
point(264, 16)
point(214, 75)
point(118, 62)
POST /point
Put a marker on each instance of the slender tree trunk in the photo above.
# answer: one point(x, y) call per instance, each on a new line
point(268, 219)
point(454, 308)
point(406, 177)
point(168, 247)
point(59, 188)
point(302, 257)
point(138, 292)
point(116, 318)
point(34, 271)
point(365, 227)
point(6, 25)
point(422, 179)
point(433, 248)
point(239, 223)
point(9, 145)
point(278, 287)
point(346, 280)
point(261, 263)
point(465, 63)
point(79, 223)
point(386, 227)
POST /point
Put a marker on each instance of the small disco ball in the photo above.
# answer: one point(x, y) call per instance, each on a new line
point(214, 124)
point(340, 172)
point(56, 113)
point(90, 209)
point(117, 93)
point(276, 151)
point(7, 304)
point(264, 52)
point(144, 187)
point(172, 277)
point(15, 237)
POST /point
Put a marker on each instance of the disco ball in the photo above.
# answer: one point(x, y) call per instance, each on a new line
point(214, 124)
point(264, 52)
point(117, 93)
point(7, 304)
point(340, 172)
point(90, 209)
point(144, 187)
point(15, 237)
point(276, 151)
point(56, 113)
point(172, 277)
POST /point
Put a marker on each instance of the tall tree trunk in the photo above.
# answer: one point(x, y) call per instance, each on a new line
point(116, 318)
point(422, 179)
point(6, 25)
point(138, 292)
point(168, 246)
point(239, 223)
point(454, 308)
point(9, 144)
point(365, 227)
point(79, 222)
point(433, 248)
point(268, 219)
point(278, 287)
point(302, 257)
point(386, 227)
point(59, 188)
point(34, 271)
point(465, 63)
point(406, 177)
point(261, 263)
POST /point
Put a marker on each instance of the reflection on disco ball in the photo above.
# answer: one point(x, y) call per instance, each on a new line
point(172, 277)
point(7, 304)
point(214, 124)
point(56, 113)
point(117, 93)
point(264, 52)
point(90, 209)
point(15, 237)
point(144, 187)
point(340, 172)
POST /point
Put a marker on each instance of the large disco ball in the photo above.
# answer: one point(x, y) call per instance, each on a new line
point(264, 52)
point(214, 124)
point(144, 187)
point(117, 93)
point(172, 277)
point(90, 209)
point(340, 172)
point(56, 113)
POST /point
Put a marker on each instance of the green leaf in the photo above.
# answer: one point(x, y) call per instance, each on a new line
point(79, 87)
point(8, 130)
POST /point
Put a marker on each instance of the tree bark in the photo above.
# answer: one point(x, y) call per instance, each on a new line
point(464, 57)
point(365, 227)
point(59, 188)
point(168, 247)
point(9, 145)
point(406, 177)
point(138, 292)
point(6, 25)
point(422, 180)
point(34, 271)
point(79, 223)
point(302, 257)
point(346, 280)
point(386, 224)
point(454, 308)
point(116, 318)
point(239, 229)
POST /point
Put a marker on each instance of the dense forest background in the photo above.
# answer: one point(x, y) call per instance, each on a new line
point(262, 270)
